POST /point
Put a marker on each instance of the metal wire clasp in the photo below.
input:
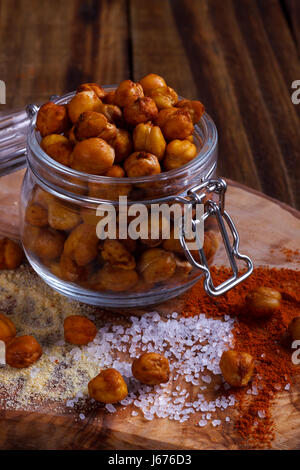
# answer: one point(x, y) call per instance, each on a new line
point(216, 209)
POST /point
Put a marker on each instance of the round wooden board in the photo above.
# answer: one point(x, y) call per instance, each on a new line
point(265, 226)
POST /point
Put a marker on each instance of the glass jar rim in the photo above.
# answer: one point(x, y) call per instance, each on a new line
point(208, 146)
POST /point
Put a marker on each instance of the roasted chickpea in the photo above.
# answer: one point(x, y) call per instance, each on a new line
point(109, 98)
point(11, 254)
point(178, 153)
point(71, 136)
point(294, 328)
point(79, 330)
point(36, 215)
point(263, 301)
point(156, 265)
point(122, 145)
point(7, 329)
point(110, 191)
point(115, 253)
point(81, 102)
point(61, 217)
point(149, 138)
point(30, 236)
point(89, 216)
point(82, 244)
point(173, 242)
point(152, 80)
point(112, 113)
point(109, 133)
point(151, 368)
point(129, 243)
point(237, 367)
point(75, 185)
point(116, 279)
point(23, 351)
point(157, 229)
point(141, 164)
point(52, 119)
point(47, 243)
point(97, 89)
point(116, 171)
point(108, 387)
point(89, 124)
point(164, 115)
point(69, 270)
point(127, 93)
point(42, 198)
point(164, 97)
point(194, 108)
point(93, 156)
point(183, 268)
point(142, 110)
point(178, 126)
point(57, 147)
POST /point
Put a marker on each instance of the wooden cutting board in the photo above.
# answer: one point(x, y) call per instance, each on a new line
point(265, 226)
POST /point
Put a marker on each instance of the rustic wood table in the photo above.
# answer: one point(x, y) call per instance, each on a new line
point(239, 57)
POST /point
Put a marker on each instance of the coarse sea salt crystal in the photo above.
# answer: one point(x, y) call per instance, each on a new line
point(216, 422)
point(82, 416)
point(110, 408)
point(261, 414)
point(287, 387)
point(202, 423)
point(206, 379)
point(34, 372)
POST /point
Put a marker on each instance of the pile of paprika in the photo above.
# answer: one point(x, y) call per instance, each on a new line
point(265, 339)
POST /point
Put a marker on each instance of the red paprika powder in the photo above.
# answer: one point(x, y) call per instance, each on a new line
point(264, 338)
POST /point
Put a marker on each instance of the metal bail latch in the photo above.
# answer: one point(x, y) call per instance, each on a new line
point(213, 209)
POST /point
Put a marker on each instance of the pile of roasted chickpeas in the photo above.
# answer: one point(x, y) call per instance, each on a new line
point(140, 129)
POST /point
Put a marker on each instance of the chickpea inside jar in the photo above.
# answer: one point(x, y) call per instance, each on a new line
point(93, 157)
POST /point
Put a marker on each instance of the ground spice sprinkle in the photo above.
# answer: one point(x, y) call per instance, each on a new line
point(264, 339)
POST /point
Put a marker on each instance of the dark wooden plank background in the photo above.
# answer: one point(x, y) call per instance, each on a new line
point(239, 57)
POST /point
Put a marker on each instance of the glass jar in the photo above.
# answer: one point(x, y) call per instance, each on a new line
point(60, 218)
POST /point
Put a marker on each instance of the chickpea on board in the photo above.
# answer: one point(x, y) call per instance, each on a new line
point(11, 254)
point(7, 329)
point(23, 351)
point(263, 301)
point(79, 330)
point(151, 368)
point(108, 387)
point(237, 367)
